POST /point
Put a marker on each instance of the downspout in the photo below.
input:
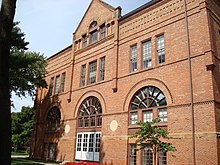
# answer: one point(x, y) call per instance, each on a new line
point(190, 84)
point(72, 70)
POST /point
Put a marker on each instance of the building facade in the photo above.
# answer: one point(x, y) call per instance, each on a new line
point(161, 60)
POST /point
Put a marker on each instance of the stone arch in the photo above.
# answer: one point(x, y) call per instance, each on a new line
point(148, 82)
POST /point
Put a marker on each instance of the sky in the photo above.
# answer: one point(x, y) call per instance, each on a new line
point(49, 24)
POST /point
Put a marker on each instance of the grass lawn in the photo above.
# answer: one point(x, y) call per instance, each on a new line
point(26, 161)
point(21, 161)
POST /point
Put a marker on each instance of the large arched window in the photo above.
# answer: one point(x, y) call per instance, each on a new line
point(147, 104)
point(88, 133)
point(53, 119)
point(90, 113)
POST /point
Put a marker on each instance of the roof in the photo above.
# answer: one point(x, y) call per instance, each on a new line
point(152, 2)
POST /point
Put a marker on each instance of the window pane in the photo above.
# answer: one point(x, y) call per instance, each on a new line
point(160, 49)
point(51, 86)
point(93, 36)
point(133, 58)
point(79, 142)
point(84, 41)
point(146, 54)
point(92, 121)
point(133, 154)
point(148, 116)
point(162, 114)
point(134, 117)
point(99, 120)
point(102, 69)
point(91, 142)
point(147, 154)
point(62, 82)
point(162, 158)
point(86, 122)
point(92, 72)
point(97, 144)
point(83, 75)
point(103, 32)
point(57, 84)
point(80, 122)
point(85, 141)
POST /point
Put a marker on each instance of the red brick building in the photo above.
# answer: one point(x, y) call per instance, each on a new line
point(161, 60)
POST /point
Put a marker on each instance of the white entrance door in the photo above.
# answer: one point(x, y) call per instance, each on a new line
point(88, 146)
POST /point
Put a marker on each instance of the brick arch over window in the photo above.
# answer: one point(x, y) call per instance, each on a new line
point(93, 93)
point(148, 103)
point(90, 113)
point(148, 82)
point(53, 119)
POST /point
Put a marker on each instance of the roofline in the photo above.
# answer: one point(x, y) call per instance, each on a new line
point(146, 5)
point(101, 2)
point(70, 46)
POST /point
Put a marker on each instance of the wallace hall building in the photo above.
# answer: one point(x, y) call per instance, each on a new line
point(161, 60)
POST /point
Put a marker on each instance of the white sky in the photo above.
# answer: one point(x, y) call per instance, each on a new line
point(49, 24)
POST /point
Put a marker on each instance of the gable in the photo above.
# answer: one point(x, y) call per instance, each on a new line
point(97, 11)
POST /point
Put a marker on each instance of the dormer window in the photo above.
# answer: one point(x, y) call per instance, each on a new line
point(93, 32)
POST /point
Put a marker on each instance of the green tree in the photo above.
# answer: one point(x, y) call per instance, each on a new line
point(22, 126)
point(151, 133)
point(27, 69)
point(7, 13)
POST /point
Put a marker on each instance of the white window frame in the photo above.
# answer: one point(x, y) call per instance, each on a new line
point(87, 149)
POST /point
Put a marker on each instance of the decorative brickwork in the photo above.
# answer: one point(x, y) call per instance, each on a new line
point(186, 74)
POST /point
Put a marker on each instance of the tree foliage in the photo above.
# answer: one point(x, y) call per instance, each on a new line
point(27, 69)
point(151, 133)
point(22, 126)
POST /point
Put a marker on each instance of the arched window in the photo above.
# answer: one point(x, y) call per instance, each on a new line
point(88, 134)
point(93, 32)
point(90, 113)
point(53, 119)
point(148, 103)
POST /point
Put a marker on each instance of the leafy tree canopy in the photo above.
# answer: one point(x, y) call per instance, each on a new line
point(22, 126)
point(27, 69)
point(151, 133)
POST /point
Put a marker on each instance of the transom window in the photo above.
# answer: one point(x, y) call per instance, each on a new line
point(148, 103)
point(90, 113)
point(53, 120)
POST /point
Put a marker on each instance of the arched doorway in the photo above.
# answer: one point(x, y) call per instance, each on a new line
point(89, 122)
